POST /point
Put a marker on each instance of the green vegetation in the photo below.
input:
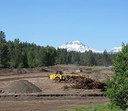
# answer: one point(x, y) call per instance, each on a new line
point(99, 107)
point(17, 54)
point(117, 89)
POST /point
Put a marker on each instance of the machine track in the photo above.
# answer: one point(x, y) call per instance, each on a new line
point(39, 96)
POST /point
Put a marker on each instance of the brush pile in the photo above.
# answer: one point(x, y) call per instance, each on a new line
point(88, 83)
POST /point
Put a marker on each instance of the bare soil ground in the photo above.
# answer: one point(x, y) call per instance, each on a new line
point(48, 105)
point(41, 80)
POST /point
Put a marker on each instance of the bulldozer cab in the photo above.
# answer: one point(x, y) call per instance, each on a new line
point(59, 72)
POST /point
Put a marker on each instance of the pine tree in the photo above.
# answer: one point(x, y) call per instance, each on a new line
point(117, 89)
point(4, 58)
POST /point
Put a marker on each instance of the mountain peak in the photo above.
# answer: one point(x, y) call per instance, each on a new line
point(76, 42)
point(76, 46)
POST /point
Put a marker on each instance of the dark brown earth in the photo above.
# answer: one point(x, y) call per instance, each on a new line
point(21, 86)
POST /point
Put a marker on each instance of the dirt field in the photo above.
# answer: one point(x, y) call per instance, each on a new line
point(48, 105)
point(40, 79)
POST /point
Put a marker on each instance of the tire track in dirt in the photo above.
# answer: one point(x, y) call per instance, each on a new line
point(39, 96)
point(18, 78)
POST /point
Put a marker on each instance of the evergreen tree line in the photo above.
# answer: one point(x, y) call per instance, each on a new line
point(17, 54)
point(88, 58)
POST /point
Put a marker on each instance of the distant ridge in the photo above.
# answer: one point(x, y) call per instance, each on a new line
point(116, 50)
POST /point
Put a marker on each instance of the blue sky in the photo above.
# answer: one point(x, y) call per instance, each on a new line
point(99, 24)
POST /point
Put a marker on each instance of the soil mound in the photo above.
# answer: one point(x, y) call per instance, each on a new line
point(21, 86)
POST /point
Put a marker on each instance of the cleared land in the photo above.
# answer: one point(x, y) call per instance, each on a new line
point(53, 96)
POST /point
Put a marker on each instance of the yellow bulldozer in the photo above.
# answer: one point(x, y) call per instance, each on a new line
point(60, 76)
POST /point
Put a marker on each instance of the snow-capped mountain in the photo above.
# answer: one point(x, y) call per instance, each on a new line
point(115, 50)
point(80, 47)
point(77, 46)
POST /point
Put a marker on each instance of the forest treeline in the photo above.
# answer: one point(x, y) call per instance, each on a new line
point(17, 54)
